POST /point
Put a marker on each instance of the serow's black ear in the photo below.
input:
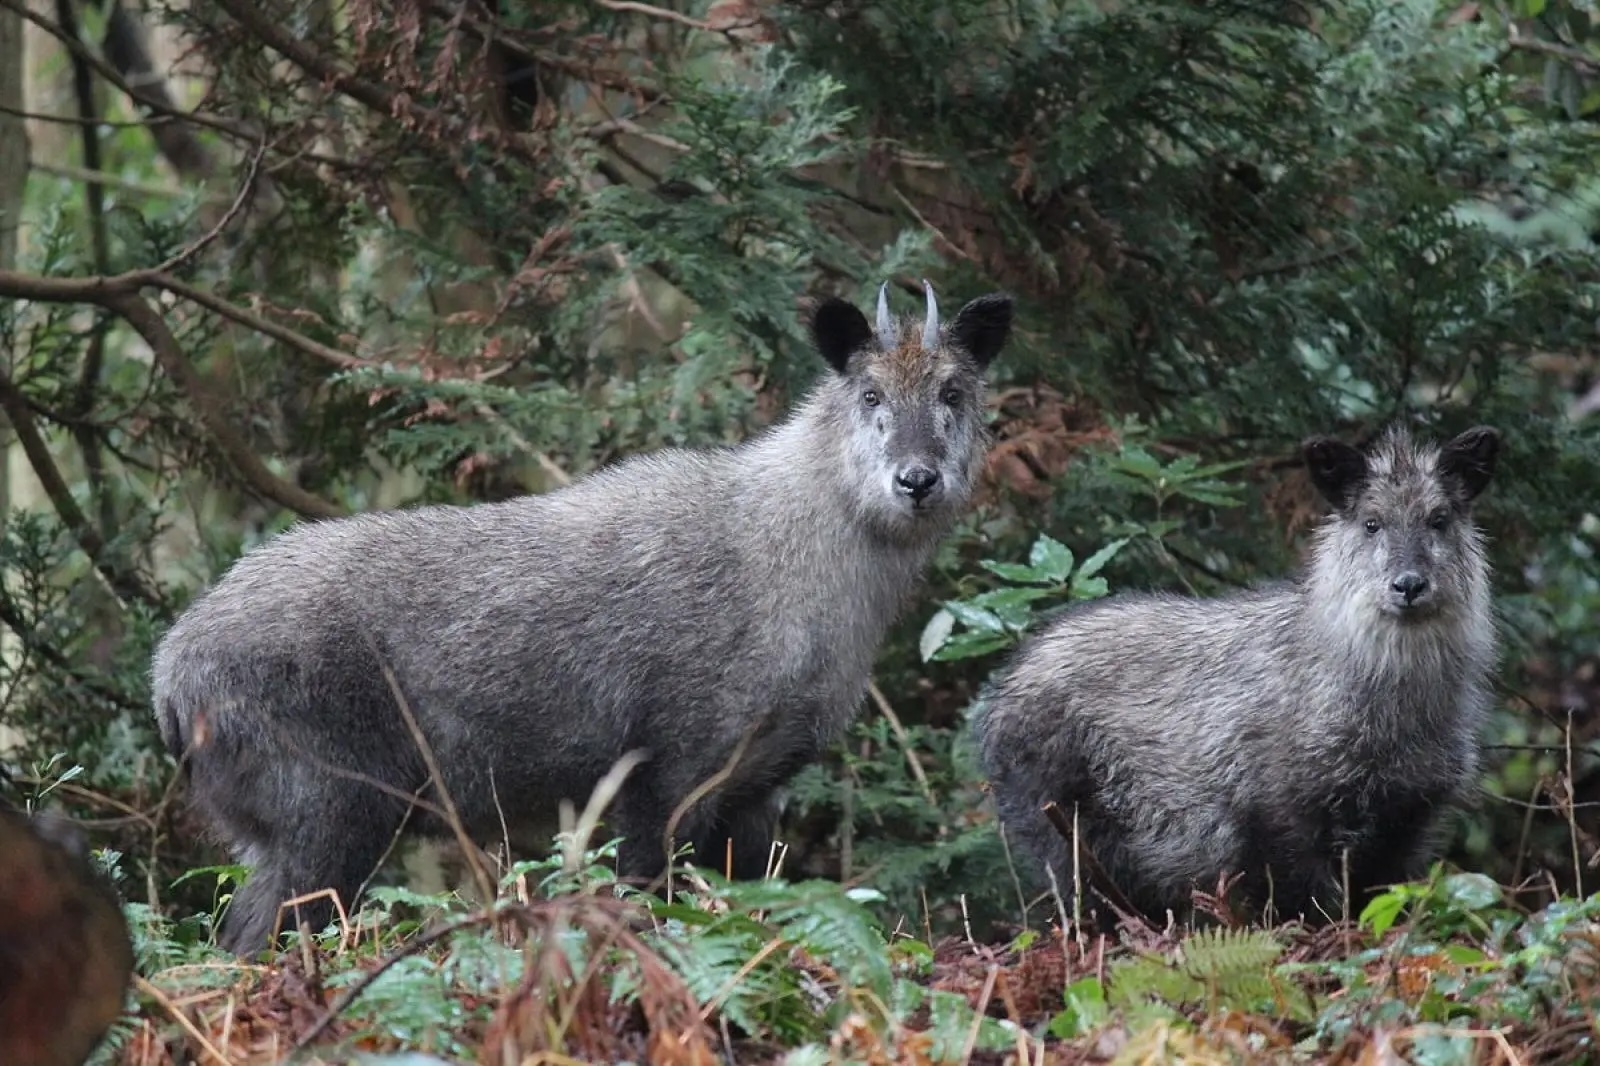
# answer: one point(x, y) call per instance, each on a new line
point(1467, 463)
point(983, 326)
point(1337, 469)
point(839, 330)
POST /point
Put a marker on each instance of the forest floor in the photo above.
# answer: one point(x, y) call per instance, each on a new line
point(1443, 971)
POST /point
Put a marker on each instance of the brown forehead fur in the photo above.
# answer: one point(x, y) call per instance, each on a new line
point(908, 365)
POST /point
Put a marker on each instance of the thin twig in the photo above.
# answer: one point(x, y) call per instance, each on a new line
point(739, 975)
point(110, 74)
point(551, 468)
point(1554, 50)
point(468, 846)
point(637, 8)
point(233, 312)
point(67, 170)
point(74, 120)
point(178, 1016)
point(247, 189)
point(1572, 815)
point(600, 797)
point(153, 328)
point(412, 947)
point(978, 1015)
point(706, 787)
point(935, 230)
point(904, 738)
point(1099, 880)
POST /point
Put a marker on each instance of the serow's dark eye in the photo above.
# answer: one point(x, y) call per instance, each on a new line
point(870, 397)
point(1439, 520)
point(1373, 525)
point(951, 396)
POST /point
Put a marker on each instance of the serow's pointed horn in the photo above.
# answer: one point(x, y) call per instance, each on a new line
point(930, 326)
point(888, 332)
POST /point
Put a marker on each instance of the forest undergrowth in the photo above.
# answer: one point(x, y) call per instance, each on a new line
point(275, 260)
point(568, 966)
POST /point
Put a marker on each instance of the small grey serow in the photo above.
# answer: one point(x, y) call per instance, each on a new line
point(1317, 733)
point(687, 604)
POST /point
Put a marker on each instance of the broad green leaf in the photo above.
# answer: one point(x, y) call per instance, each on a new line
point(1097, 562)
point(1470, 891)
point(1015, 572)
point(1208, 495)
point(975, 617)
point(1009, 597)
point(1214, 469)
point(1012, 606)
point(1159, 530)
point(970, 646)
point(1380, 914)
point(1463, 955)
point(1050, 558)
point(1089, 588)
point(1139, 463)
point(1084, 1012)
point(936, 632)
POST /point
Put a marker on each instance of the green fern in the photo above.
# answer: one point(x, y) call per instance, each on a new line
point(765, 999)
point(1223, 968)
point(739, 952)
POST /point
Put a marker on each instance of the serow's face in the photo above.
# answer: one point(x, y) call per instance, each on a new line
point(1403, 512)
point(911, 401)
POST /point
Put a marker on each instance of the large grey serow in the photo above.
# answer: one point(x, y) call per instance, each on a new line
point(1315, 733)
point(680, 603)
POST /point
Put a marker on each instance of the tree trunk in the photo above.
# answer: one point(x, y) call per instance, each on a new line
point(13, 178)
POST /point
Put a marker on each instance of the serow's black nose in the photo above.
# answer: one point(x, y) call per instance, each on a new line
point(1411, 585)
point(917, 482)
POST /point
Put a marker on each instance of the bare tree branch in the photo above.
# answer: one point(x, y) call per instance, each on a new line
point(1556, 50)
point(139, 314)
point(126, 585)
point(120, 294)
point(89, 371)
point(234, 313)
point(110, 74)
point(248, 14)
point(654, 12)
point(126, 48)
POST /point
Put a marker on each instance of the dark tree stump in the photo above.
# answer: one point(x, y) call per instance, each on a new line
point(65, 955)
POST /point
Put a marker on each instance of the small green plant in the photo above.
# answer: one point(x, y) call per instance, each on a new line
point(997, 618)
point(1440, 906)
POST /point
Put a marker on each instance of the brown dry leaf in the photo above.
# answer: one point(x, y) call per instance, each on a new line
point(1037, 979)
point(856, 1041)
point(1415, 973)
point(1161, 1044)
point(1038, 433)
point(742, 20)
point(1243, 1026)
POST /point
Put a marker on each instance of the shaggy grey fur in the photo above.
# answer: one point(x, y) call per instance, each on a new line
point(677, 603)
point(1269, 732)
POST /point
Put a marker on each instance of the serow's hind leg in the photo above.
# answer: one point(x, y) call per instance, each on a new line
point(336, 846)
point(744, 826)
